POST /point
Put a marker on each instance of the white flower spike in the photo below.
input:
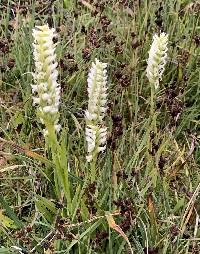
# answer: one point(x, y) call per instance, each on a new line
point(97, 93)
point(46, 88)
point(157, 59)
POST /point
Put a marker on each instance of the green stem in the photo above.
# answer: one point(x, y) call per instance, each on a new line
point(152, 109)
point(152, 127)
point(52, 143)
point(59, 157)
point(93, 168)
point(152, 100)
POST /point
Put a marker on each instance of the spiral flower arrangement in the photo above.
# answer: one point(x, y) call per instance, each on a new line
point(46, 90)
point(95, 131)
point(157, 59)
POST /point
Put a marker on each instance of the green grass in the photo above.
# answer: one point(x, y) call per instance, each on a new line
point(149, 173)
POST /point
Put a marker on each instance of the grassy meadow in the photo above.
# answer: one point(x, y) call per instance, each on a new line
point(144, 197)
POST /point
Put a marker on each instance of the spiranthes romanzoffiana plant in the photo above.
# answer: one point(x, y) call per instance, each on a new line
point(95, 131)
point(46, 90)
point(157, 59)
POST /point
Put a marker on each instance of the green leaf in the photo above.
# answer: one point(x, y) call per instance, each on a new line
point(87, 231)
point(68, 4)
point(179, 204)
point(5, 251)
point(75, 199)
point(17, 119)
point(6, 221)
point(46, 208)
point(10, 213)
point(84, 210)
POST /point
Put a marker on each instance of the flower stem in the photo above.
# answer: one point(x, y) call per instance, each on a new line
point(93, 168)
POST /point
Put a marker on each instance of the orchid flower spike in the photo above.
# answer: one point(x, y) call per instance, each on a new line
point(157, 59)
point(97, 92)
point(46, 89)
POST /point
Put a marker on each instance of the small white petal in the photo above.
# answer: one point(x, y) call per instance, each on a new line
point(36, 100)
point(41, 120)
point(54, 84)
point(52, 67)
point(91, 146)
point(47, 109)
point(46, 96)
point(53, 110)
point(101, 148)
point(34, 88)
point(57, 127)
point(103, 140)
point(90, 116)
point(45, 132)
point(89, 158)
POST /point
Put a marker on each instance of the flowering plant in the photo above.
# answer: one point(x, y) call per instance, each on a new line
point(97, 92)
point(157, 59)
point(46, 88)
